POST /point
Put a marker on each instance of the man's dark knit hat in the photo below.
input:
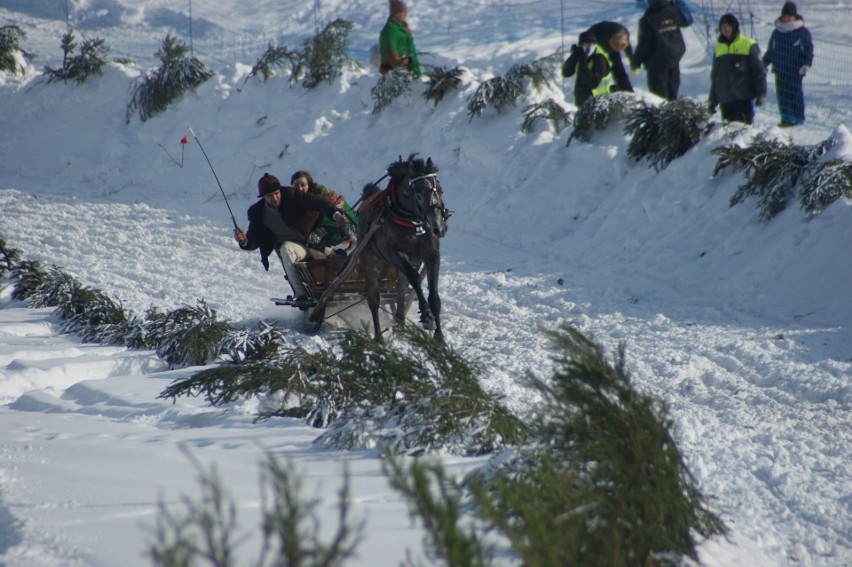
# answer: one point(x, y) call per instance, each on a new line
point(267, 184)
point(789, 9)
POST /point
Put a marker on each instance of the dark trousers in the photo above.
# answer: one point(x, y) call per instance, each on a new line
point(738, 111)
point(791, 100)
point(664, 81)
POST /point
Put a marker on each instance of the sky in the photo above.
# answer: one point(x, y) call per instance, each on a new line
point(740, 325)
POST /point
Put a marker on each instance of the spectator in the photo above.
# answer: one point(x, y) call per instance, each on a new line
point(281, 221)
point(590, 65)
point(737, 75)
point(614, 38)
point(396, 43)
point(791, 54)
point(660, 46)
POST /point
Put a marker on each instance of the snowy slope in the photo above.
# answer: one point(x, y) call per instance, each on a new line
point(741, 325)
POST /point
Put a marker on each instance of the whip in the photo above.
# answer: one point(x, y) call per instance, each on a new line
point(197, 141)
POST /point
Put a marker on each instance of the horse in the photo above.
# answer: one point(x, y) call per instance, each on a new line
point(404, 225)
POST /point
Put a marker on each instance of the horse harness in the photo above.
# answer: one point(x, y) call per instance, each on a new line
point(416, 219)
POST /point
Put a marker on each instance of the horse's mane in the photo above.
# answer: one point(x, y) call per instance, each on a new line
point(399, 168)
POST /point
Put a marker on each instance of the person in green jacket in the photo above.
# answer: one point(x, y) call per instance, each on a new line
point(396, 44)
point(326, 234)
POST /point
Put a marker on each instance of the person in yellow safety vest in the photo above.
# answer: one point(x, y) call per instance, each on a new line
point(737, 75)
point(591, 65)
point(614, 39)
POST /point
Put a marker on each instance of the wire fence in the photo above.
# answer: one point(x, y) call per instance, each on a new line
point(826, 84)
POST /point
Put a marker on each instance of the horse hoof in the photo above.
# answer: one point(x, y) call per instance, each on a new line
point(428, 323)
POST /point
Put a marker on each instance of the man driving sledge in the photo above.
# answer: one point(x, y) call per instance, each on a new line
point(281, 221)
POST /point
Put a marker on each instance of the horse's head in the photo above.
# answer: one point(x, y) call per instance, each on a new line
point(421, 192)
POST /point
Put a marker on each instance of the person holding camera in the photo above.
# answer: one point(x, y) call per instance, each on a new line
point(589, 63)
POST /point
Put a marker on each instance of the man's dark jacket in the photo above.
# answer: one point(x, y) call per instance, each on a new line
point(297, 209)
point(660, 44)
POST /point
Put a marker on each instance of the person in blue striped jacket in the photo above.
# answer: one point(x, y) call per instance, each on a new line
point(791, 54)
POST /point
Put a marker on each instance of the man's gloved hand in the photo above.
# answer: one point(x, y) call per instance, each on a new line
point(761, 100)
point(803, 70)
point(576, 51)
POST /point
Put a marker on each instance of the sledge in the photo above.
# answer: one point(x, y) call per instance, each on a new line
point(335, 284)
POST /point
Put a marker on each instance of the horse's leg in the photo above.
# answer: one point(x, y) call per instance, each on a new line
point(413, 277)
point(432, 269)
point(371, 281)
point(401, 292)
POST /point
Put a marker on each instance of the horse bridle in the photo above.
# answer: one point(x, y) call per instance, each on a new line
point(435, 200)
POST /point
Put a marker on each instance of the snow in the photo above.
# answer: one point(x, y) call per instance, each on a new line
point(740, 325)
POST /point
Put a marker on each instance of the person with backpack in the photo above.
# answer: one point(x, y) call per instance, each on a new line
point(589, 63)
point(737, 74)
point(396, 42)
point(660, 47)
point(791, 54)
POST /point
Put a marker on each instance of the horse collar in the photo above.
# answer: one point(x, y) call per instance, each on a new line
point(398, 215)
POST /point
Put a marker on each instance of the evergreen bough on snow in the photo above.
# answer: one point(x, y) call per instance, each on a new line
point(324, 55)
point(274, 56)
point(772, 169)
point(183, 337)
point(503, 92)
point(603, 472)
point(419, 396)
point(188, 336)
point(80, 67)
point(442, 505)
point(11, 37)
point(206, 528)
point(321, 59)
point(665, 132)
point(831, 181)
point(548, 110)
point(600, 111)
point(440, 81)
point(176, 75)
point(389, 87)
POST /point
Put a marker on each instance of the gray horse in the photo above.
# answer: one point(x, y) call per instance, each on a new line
point(404, 225)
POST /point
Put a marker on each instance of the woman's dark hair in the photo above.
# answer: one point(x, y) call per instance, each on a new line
point(304, 174)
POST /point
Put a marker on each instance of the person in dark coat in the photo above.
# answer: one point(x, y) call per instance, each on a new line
point(737, 75)
point(613, 38)
point(590, 65)
point(281, 221)
point(791, 54)
point(660, 46)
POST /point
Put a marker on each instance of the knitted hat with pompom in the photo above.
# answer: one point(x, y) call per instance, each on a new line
point(267, 184)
